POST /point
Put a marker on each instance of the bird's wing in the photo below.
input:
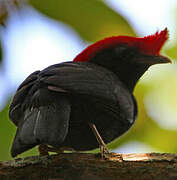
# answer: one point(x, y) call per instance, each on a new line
point(93, 81)
point(41, 106)
point(81, 78)
point(16, 107)
point(74, 78)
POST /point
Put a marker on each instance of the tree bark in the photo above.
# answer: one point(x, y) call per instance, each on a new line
point(81, 166)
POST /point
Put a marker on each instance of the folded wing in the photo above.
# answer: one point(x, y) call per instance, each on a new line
point(41, 106)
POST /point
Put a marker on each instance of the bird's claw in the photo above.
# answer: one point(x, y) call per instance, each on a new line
point(104, 151)
point(43, 150)
point(106, 154)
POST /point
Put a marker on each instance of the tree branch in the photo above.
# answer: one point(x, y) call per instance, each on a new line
point(80, 166)
point(6, 6)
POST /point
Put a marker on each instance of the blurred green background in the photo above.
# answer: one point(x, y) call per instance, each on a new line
point(37, 33)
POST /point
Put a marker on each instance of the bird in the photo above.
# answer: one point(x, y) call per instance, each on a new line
point(86, 103)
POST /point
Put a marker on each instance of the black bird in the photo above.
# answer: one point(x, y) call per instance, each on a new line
point(85, 103)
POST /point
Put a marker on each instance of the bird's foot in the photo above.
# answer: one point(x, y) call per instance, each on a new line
point(111, 156)
point(104, 151)
point(44, 149)
point(106, 154)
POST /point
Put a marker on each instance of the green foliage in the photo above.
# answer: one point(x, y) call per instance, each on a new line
point(92, 19)
point(6, 133)
point(171, 50)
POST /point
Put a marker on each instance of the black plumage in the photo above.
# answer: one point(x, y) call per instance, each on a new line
point(56, 106)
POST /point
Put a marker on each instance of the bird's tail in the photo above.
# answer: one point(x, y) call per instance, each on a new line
point(43, 125)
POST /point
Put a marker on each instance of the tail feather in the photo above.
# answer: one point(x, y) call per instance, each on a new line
point(18, 147)
point(26, 134)
point(43, 125)
point(52, 124)
point(24, 138)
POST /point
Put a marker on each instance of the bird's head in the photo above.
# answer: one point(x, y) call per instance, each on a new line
point(126, 56)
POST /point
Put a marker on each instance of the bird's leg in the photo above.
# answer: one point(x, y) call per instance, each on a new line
point(43, 150)
point(104, 150)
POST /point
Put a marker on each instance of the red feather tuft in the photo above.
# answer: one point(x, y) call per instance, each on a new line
point(150, 45)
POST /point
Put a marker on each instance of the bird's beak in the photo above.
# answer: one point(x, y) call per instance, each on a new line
point(160, 59)
point(156, 59)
